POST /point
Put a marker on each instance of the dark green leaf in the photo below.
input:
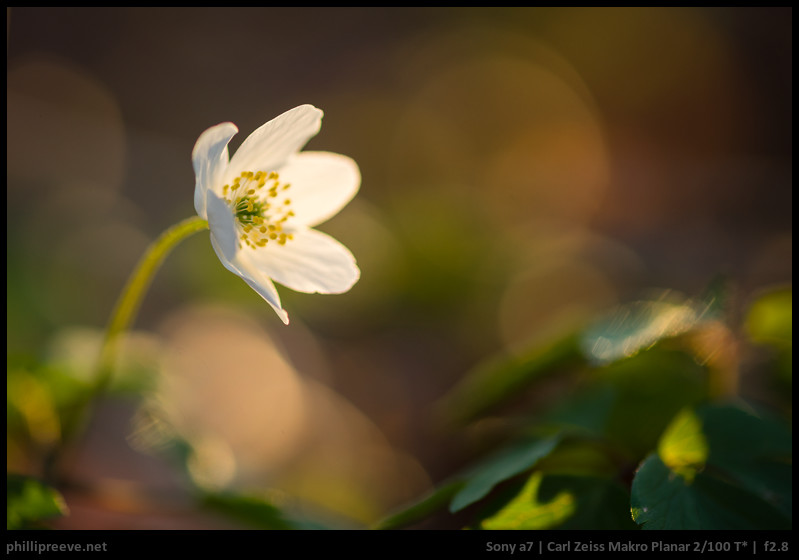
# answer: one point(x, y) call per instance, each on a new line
point(752, 450)
point(601, 503)
point(586, 411)
point(506, 464)
point(662, 500)
point(255, 512)
point(651, 388)
point(426, 506)
point(562, 502)
point(502, 377)
point(769, 322)
point(732, 470)
point(577, 456)
point(30, 501)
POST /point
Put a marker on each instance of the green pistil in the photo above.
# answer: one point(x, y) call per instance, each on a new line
point(247, 209)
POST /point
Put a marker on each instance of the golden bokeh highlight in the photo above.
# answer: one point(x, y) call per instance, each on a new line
point(256, 424)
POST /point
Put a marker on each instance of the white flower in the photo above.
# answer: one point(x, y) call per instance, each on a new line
point(263, 202)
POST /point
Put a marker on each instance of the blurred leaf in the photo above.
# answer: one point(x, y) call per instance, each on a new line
point(631, 401)
point(601, 503)
point(506, 464)
point(74, 352)
point(622, 334)
point(639, 325)
point(29, 502)
point(492, 382)
point(426, 506)
point(576, 456)
point(62, 387)
point(38, 398)
point(770, 318)
point(525, 511)
point(587, 411)
point(31, 408)
point(683, 446)
point(746, 482)
point(565, 502)
point(255, 512)
point(661, 500)
point(753, 451)
point(769, 322)
point(651, 387)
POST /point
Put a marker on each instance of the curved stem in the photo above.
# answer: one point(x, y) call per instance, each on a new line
point(131, 297)
point(122, 317)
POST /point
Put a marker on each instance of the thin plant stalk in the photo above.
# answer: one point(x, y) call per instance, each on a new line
point(123, 315)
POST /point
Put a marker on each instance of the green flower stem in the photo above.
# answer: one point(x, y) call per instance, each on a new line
point(122, 317)
point(131, 297)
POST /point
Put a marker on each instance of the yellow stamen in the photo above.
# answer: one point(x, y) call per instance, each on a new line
point(259, 220)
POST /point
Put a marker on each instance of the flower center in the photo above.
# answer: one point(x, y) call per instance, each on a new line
point(261, 207)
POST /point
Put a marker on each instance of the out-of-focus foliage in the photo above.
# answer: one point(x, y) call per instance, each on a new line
point(641, 440)
point(508, 463)
point(563, 501)
point(719, 467)
point(29, 502)
point(769, 323)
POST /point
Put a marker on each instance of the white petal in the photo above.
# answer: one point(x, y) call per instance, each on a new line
point(210, 159)
point(268, 147)
point(266, 289)
point(256, 280)
point(222, 224)
point(225, 243)
point(311, 262)
point(322, 183)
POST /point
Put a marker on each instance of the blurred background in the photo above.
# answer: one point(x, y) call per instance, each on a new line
point(523, 170)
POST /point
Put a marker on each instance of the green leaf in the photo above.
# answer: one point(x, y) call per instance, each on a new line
point(683, 446)
point(770, 318)
point(602, 503)
point(502, 377)
point(577, 456)
point(253, 511)
point(30, 501)
point(565, 502)
point(525, 511)
point(506, 464)
point(720, 467)
point(585, 412)
point(573, 456)
point(630, 402)
point(661, 500)
point(650, 388)
point(769, 322)
point(754, 451)
point(426, 506)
